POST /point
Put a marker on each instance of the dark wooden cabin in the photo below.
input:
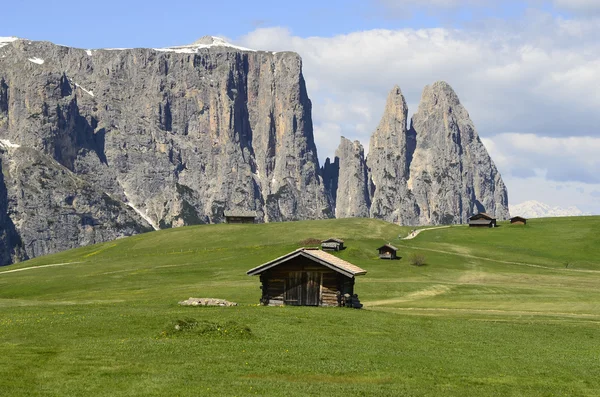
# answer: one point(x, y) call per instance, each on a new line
point(518, 220)
point(240, 216)
point(387, 251)
point(482, 220)
point(306, 277)
point(334, 244)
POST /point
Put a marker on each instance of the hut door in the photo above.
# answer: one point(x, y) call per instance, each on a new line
point(313, 289)
point(293, 289)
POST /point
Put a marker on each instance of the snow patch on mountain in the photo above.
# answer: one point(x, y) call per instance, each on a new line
point(39, 61)
point(8, 144)
point(536, 209)
point(204, 42)
point(7, 40)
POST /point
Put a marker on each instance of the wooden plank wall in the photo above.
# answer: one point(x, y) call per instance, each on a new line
point(283, 284)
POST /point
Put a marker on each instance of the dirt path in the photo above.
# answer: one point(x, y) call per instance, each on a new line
point(428, 292)
point(38, 267)
point(417, 232)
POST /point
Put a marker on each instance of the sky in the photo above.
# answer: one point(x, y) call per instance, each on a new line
point(527, 71)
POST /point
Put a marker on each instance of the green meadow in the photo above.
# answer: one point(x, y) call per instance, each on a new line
point(509, 311)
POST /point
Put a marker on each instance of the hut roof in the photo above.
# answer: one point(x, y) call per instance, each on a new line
point(482, 215)
point(321, 257)
point(337, 240)
point(517, 218)
point(388, 246)
point(240, 213)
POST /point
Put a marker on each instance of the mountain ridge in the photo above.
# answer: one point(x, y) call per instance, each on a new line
point(160, 138)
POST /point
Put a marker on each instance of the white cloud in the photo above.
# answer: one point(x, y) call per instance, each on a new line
point(572, 159)
point(579, 6)
point(554, 194)
point(556, 171)
point(538, 77)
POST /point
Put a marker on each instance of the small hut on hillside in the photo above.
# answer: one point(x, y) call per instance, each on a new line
point(334, 244)
point(518, 220)
point(307, 277)
point(240, 216)
point(387, 251)
point(482, 220)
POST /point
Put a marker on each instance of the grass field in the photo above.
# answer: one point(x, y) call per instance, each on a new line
point(511, 311)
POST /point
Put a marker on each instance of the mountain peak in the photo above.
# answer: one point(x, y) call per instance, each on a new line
point(204, 42)
point(537, 209)
point(210, 40)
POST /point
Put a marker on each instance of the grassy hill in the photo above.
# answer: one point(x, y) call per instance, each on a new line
point(507, 311)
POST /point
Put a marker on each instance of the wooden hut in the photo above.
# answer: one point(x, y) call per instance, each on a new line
point(482, 220)
point(334, 244)
point(518, 220)
point(239, 216)
point(387, 251)
point(306, 277)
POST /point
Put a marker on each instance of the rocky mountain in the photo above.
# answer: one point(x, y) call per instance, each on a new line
point(100, 144)
point(390, 153)
point(435, 172)
point(138, 137)
point(352, 195)
point(451, 173)
point(536, 209)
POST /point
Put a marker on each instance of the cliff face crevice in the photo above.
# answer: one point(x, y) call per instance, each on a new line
point(11, 245)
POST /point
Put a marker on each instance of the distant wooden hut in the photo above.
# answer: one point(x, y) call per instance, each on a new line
point(306, 277)
point(334, 244)
point(518, 220)
point(387, 251)
point(482, 220)
point(240, 216)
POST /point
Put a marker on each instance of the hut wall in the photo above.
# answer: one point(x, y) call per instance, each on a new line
point(387, 254)
point(331, 246)
point(239, 219)
point(303, 282)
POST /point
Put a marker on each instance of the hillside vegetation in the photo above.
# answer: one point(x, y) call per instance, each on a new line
point(506, 311)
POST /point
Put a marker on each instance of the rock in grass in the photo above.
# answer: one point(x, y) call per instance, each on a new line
point(206, 302)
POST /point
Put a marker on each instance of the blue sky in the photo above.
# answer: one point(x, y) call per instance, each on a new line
point(527, 71)
point(152, 23)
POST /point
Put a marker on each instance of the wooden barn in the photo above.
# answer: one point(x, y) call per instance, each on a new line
point(240, 216)
point(482, 220)
point(387, 251)
point(334, 244)
point(518, 220)
point(306, 277)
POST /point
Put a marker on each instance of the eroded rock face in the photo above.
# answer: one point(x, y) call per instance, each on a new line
point(436, 172)
point(51, 209)
point(181, 134)
point(11, 246)
point(390, 152)
point(352, 197)
point(451, 174)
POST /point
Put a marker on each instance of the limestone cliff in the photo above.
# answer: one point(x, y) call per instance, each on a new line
point(451, 175)
point(390, 151)
point(436, 172)
point(352, 197)
point(51, 209)
point(181, 134)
